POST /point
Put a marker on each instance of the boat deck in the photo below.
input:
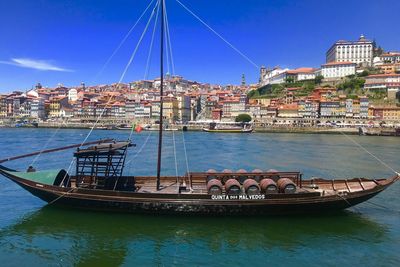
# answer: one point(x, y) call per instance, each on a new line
point(198, 185)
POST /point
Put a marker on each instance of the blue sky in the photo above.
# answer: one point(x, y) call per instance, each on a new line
point(56, 41)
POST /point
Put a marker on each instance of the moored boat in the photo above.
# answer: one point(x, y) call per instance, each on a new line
point(226, 128)
point(379, 131)
point(189, 195)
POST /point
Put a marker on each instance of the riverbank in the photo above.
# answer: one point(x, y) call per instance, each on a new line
point(259, 129)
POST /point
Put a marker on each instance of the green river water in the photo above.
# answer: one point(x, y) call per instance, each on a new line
point(33, 234)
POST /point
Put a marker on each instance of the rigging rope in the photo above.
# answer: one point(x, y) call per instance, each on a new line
point(98, 74)
point(123, 74)
point(186, 160)
point(169, 39)
point(176, 162)
point(138, 44)
point(141, 148)
point(110, 98)
point(151, 43)
point(370, 153)
point(166, 40)
point(219, 35)
point(122, 41)
point(169, 45)
point(48, 142)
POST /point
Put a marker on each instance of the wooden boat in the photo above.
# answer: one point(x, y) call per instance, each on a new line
point(228, 130)
point(216, 128)
point(189, 195)
point(99, 184)
point(379, 131)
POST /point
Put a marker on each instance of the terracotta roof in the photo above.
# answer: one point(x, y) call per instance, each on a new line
point(339, 63)
point(301, 70)
point(394, 54)
point(383, 75)
point(289, 107)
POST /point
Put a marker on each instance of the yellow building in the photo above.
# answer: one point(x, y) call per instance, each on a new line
point(260, 101)
point(389, 68)
point(170, 109)
point(56, 103)
point(386, 113)
point(54, 107)
point(391, 113)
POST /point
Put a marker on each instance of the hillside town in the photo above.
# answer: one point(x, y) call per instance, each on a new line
point(358, 84)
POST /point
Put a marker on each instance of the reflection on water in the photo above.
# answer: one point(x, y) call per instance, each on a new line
point(92, 239)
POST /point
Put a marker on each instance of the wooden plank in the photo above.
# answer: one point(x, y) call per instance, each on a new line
point(347, 185)
point(333, 184)
point(362, 186)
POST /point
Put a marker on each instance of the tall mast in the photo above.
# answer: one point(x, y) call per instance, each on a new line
point(161, 95)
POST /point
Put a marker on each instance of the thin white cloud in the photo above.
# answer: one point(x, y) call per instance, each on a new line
point(36, 64)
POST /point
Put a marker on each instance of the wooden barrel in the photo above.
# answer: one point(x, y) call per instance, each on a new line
point(251, 187)
point(268, 186)
point(232, 187)
point(214, 187)
point(286, 185)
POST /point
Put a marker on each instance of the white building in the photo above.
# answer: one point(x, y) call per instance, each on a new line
point(388, 83)
point(335, 70)
point(72, 94)
point(267, 75)
point(300, 74)
point(360, 52)
point(390, 57)
point(37, 108)
point(183, 107)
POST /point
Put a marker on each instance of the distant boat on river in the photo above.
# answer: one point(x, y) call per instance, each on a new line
point(379, 131)
point(228, 128)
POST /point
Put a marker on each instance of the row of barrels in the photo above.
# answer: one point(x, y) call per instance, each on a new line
point(251, 186)
point(242, 174)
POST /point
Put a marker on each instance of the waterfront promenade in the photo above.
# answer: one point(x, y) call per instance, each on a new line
point(258, 127)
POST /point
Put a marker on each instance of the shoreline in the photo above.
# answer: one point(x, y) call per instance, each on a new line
point(353, 130)
point(294, 130)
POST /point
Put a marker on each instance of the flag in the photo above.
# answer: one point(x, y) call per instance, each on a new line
point(138, 128)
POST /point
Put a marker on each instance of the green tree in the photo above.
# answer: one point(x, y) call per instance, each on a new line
point(243, 118)
point(289, 80)
point(318, 79)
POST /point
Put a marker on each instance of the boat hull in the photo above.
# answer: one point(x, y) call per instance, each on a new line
point(189, 204)
point(227, 130)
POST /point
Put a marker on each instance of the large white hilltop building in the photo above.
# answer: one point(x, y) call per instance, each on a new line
point(359, 52)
